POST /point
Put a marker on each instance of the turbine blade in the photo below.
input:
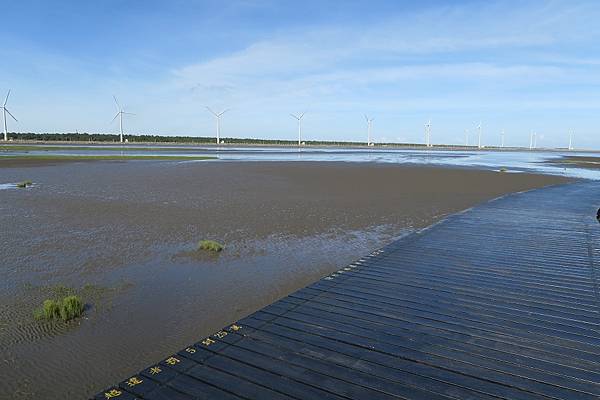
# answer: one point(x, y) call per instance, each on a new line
point(223, 112)
point(13, 117)
point(294, 116)
point(116, 115)
point(211, 111)
point(6, 100)
point(128, 113)
point(117, 103)
point(302, 115)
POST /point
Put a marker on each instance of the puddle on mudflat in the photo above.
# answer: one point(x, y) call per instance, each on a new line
point(4, 186)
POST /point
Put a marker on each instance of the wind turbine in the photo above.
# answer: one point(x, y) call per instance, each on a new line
point(299, 118)
point(535, 140)
point(218, 118)
point(4, 112)
point(571, 140)
point(428, 133)
point(466, 137)
point(479, 135)
point(502, 139)
point(369, 127)
point(120, 113)
point(531, 140)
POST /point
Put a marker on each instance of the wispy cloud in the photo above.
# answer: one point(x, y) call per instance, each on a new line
point(467, 59)
point(505, 61)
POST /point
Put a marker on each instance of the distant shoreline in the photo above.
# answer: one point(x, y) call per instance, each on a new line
point(251, 143)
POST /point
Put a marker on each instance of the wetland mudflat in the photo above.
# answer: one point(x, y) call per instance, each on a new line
point(579, 161)
point(123, 234)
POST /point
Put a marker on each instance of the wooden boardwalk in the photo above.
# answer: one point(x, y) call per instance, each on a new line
point(499, 302)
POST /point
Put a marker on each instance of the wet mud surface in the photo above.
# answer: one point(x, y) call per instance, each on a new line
point(588, 162)
point(123, 234)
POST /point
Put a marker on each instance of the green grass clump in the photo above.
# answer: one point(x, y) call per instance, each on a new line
point(24, 184)
point(71, 308)
point(503, 169)
point(49, 311)
point(210, 245)
point(65, 309)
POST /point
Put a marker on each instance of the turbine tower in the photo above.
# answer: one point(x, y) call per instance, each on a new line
point(299, 118)
point(4, 112)
point(571, 140)
point(502, 139)
point(218, 118)
point(369, 127)
point(531, 140)
point(428, 133)
point(466, 137)
point(479, 135)
point(535, 140)
point(120, 113)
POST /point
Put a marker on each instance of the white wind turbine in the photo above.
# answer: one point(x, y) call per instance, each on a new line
point(4, 112)
point(369, 127)
point(466, 137)
point(120, 113)
point(299, 118)
point(502, 139)
point(479, 135)
point(218, 118)
point(571, 140)
point(532, 140)
point(428, 133)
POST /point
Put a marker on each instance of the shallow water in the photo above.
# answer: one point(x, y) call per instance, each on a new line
point(529, 161)
point(165, 304)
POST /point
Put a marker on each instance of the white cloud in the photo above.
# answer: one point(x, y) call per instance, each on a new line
point(459, 62)
point(333, 61)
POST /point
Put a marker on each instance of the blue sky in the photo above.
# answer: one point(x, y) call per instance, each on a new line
point(514, 65)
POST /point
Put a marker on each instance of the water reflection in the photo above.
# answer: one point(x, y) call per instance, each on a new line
point(513, 160)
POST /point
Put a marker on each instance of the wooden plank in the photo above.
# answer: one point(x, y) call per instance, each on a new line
point(458, 339)
point(485, 358)
point(499, 302)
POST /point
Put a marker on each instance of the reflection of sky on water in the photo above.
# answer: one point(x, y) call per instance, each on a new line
point(513, 160)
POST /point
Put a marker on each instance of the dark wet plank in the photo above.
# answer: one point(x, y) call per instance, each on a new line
point(499, 302)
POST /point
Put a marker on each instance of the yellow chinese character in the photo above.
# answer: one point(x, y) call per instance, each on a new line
point(208, 341)
point(220, 334)
point(172, 360)
point(112, 393)
point(190, 350)
point(235, 327)
point(133, 381)
point(155, 370)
